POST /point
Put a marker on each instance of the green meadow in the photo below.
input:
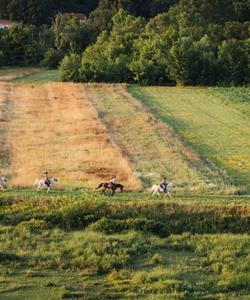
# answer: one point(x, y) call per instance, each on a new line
point(213, 121)
point(75, 243)
point(82, 245)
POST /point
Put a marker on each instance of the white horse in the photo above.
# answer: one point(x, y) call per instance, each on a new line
point(41, 183)
point(157, 189)
point(3, 181)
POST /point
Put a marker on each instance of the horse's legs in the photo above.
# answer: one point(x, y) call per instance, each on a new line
point(169, 195)
point(1, 187)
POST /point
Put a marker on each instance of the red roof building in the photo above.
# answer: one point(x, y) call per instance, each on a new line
point(5, 23)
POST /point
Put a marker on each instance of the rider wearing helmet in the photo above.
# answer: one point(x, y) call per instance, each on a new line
point(46, 181)
point(164, 184)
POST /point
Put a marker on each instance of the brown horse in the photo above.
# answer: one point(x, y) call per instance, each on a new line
point(110, 186)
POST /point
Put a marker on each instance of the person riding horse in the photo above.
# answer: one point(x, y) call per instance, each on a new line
point(164, 185)
point(112, 181)
point(46, 179)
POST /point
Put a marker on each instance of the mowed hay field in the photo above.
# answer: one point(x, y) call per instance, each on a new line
point(154, 148)
point(84, 134)
point(54, 127)
point(214, 121)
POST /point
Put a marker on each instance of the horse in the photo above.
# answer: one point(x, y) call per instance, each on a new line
point(41, 183)
point(110, 186)
point(3, 181)
point(156, 189)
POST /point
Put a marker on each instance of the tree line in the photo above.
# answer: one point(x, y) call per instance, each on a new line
point(188, 42)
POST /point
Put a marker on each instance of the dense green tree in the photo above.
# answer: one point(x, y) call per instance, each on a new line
point(31, 11)
point(40, 12)
point(234, 58)
point(109, 58)
point(24, 45)
point(71, 35)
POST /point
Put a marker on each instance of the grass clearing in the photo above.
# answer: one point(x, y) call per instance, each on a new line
point(9, 74)
point(215, 125)
point(41, 77)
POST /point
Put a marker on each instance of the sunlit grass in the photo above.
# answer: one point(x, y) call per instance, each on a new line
point(212, 121)
point(54, 127)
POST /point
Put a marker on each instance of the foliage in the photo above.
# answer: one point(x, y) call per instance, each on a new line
point(69, 68)
point(41, 12)
point(108, 59)
point(24, 45)
point(52, 58)
point(34, 251)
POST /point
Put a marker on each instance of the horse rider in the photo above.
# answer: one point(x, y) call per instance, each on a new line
point(164, 185)
point(112, 181)
point(47, 180)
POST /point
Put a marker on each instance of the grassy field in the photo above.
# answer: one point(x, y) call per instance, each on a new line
point(41, 77)
point(9, 74)
point(214, 121)
point(54, 127)
point(75, 243)
point(86, 246)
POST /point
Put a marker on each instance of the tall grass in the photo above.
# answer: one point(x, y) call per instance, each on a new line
point(54, 127)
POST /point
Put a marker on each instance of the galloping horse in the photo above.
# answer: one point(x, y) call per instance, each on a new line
point(3, 181)
point(156, 189)
point(107, 186)
point(41, 183)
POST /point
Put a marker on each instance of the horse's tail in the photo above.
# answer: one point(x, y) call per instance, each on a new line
point(99, 186)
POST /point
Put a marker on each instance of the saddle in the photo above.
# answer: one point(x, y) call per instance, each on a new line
point(47, 182)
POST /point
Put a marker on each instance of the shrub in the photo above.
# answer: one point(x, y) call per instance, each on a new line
point(33, 225)
point(70, 68)
point(52, 58)
point(109, 225)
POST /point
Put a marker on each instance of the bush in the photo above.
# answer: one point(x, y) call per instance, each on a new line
point(70, 68)
point(33, 225)
point(52, 58)
point(138, 224)
point(109, 225)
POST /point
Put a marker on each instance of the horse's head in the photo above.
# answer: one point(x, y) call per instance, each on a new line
point(53, 179)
